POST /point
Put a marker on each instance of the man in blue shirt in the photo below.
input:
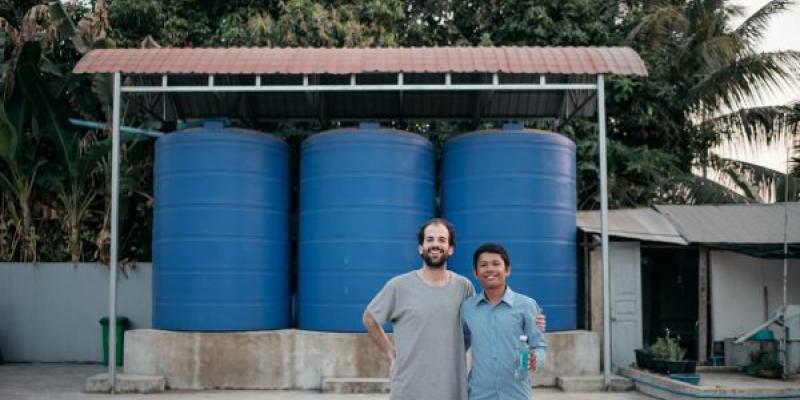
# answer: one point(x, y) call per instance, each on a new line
point(493, 322)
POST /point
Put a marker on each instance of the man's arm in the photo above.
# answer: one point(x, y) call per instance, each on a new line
point(465, 329)
point(541, 323)
point(538, 345)
point(378, 335)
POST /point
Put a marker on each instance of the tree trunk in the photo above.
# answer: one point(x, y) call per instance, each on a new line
point(28, 250)
point(75, 240)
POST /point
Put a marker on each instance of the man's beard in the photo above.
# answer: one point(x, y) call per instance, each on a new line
point(429, 261)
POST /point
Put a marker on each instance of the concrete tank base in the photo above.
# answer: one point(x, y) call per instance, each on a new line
point(301, 360)
point(569, 353)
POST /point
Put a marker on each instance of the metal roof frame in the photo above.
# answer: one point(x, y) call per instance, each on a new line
point(381, 96)
point(447, 85)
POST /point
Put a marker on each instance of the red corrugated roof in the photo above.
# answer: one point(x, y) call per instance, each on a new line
point(532, 60)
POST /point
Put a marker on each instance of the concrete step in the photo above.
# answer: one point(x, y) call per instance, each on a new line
point(355, 385)
point(592, 383)
point(126, 383)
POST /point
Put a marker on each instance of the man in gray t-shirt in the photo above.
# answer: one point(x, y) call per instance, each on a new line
point(427, 357)
point(430, 361)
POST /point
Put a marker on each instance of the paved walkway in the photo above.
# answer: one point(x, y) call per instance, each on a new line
point(65, 382)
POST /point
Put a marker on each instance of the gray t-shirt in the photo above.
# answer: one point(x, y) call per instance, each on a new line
point(428, 336)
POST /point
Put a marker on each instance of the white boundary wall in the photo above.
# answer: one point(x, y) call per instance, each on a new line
point(737, 291)
point(50, 312)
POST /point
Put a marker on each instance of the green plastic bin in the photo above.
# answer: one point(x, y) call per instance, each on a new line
point(122, 325)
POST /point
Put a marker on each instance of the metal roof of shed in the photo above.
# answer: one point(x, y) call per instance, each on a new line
point(735, 223)
point(754, 229)
point(513, 60)
point(642, 223)
point(706, 224)
point(356, 84)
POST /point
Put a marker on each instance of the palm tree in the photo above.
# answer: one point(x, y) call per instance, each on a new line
point(707, 71)
point(766, 132)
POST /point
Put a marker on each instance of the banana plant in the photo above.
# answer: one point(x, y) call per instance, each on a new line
point(36, 106)
point(19, 137)
point(17, 179)
point(79, 157)
point(77, 197)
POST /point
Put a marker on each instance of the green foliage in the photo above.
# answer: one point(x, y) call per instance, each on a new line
point(385, 23)
point(14, 10)
point(764, 364)
point(251, 23)
point(537, 23)
point(668, 348)
point(52, 174)
point(636, 175)
point(135, 20)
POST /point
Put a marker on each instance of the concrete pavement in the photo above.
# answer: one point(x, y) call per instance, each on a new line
point(66, 381)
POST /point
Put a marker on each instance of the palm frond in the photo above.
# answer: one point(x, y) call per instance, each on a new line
point(794, 158)
point(754, 181)
point(757, 125)
point(737, 83)
point(752, 30)
point(658, 24)
point(715, 52)
point(693, 189)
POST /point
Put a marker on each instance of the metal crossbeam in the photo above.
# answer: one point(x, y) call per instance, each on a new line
point(353, 86)
point(358, 88)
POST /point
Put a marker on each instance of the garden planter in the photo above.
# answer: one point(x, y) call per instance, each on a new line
point(644, 359)
point(689, 366)
point(673, 367)
point(660, 365)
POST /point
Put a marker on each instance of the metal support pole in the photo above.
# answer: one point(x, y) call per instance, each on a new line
point(785, 337)
point(112, 269)
point(601, 127)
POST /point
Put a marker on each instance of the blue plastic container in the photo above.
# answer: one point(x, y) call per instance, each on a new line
point(516, 187)
point(364, 192)
point(221, 231)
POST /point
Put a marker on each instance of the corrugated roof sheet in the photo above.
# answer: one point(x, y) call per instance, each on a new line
point(515, 60)
point(643, 224)
point(735, 224)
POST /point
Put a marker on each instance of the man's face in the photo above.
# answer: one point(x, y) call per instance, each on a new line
point(492, 271)
point(435, 248)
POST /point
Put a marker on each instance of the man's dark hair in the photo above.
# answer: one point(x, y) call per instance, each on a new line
point(492, 248)
point(451, 230)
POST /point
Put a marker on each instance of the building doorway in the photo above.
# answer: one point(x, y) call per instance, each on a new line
point(669, 294)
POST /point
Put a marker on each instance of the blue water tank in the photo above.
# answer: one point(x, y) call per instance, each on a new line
point(516, 187)
point(221, 231)
point(364, 192)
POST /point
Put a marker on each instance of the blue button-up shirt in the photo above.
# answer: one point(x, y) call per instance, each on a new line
point(493, 333)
